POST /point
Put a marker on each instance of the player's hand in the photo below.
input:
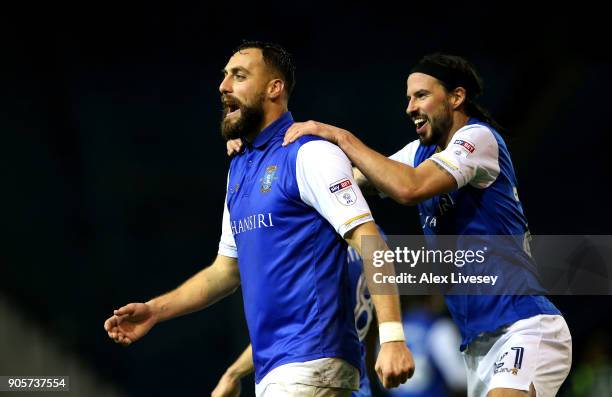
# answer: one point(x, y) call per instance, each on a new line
point(130, 323)
point(394, 364)
point(325, 131)
point(228, 386)
point(233, 146)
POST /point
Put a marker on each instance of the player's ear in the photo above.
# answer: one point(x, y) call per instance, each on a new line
point(457, 97)
point(275, 88)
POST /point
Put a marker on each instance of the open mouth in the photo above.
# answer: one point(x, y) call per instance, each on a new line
point(420, 123)
point(231, 109)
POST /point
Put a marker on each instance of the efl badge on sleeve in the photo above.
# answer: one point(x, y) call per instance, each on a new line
point(268, 178)
point(343, 190)
point(466, 145)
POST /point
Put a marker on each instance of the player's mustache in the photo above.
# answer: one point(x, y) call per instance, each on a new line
point(417, 115)
point(227, 100)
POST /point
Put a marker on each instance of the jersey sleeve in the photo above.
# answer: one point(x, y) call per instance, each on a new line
point(325, 181)
point(472, 156)
point(227, 244)
point(406, 154)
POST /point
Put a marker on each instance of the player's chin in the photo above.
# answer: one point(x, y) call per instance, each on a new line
point(425, 138)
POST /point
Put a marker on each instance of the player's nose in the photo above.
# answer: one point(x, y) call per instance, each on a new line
point(225, 85)
point(411, 108)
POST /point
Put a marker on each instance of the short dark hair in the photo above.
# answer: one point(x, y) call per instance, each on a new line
point(275, 57)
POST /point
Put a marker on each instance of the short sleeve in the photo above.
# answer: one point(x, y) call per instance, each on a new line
point(407, 153)
point(472, 156)
point(227, 244)
point(325, 181)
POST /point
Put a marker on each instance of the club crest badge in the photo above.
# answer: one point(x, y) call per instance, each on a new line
point(343, 190)
point(268, 178)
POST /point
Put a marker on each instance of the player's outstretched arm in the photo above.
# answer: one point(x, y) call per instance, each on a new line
point(229, 384)
point(394, 364)
point(133, 321)
point(405, 184)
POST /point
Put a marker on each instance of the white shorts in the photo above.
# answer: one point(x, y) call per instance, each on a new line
point(323, 377)
point(299, 390)
point(535, 350)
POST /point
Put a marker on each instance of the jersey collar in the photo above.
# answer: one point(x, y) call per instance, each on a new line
point(278, 126)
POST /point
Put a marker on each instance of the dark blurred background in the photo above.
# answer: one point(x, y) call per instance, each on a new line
point(114, 169)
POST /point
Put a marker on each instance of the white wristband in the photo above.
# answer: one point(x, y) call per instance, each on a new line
point(391, 331)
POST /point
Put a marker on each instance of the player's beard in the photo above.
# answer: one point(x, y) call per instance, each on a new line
point(439, 126)
point(250, 119)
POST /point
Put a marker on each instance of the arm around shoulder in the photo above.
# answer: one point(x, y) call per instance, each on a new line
point(403, 183)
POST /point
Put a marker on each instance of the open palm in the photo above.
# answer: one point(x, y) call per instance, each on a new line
point(130, 323)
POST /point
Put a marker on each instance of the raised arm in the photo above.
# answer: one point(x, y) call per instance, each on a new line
point(403, 183)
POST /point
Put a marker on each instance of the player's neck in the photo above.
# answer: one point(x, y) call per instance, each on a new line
point(460, 120)
point(271, 114)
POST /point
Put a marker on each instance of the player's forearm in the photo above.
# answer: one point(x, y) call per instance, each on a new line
point(387, 308)
point(366, 239)
point(202, 290)
point(398, 181)
point(364, 184)
point(242, 366)
point(384, 296)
